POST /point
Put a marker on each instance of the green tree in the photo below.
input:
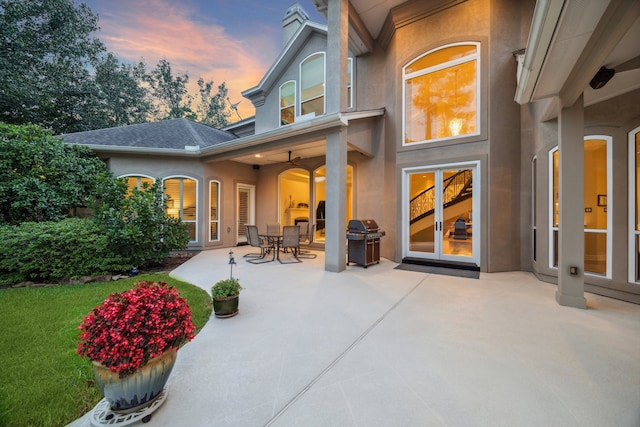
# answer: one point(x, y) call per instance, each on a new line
point(212, 109)
point(170, 92)
point(45, 49)
point(41, 178)
point(121, 98)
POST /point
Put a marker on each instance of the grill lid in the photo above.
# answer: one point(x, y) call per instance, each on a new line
point(362, 226)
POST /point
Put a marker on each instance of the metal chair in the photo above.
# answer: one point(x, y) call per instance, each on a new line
point(273, 228)
point(290, 241)
point(307, 231)
point(256, 241)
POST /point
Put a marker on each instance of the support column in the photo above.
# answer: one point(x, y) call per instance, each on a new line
point(571, 198)
point(336, 143)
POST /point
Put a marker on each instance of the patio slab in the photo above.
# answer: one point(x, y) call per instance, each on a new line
point(387, 347)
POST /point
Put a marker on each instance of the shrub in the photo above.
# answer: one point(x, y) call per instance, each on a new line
point(51, 251)
point(226, 288)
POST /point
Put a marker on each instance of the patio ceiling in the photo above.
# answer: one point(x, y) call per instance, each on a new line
point(568, 43)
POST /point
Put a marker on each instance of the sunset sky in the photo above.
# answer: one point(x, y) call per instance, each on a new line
point(234, 41)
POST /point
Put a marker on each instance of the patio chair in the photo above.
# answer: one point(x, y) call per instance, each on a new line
point(273, 228)
point(307, 232)
point(256, 241)
point(290, 242)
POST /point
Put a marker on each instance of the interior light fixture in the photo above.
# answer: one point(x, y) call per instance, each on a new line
point(455, 125)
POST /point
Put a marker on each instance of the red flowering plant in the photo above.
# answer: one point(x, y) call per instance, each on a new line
point(130, 328)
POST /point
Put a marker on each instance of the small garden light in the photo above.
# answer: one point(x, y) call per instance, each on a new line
point(232, 262)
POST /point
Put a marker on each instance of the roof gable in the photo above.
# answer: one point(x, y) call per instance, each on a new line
point(257, 94)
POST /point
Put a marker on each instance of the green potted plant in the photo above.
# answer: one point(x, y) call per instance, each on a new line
point(226, 296)
point(132, 338)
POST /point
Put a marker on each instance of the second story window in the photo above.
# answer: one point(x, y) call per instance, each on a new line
point(287, 103)
point(312, 85)
point(441, 91)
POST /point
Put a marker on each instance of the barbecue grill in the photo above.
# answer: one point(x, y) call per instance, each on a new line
point(363, 237)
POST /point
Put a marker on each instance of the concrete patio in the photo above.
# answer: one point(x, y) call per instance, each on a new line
point(385, 347)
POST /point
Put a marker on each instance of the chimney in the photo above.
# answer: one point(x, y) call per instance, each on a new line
point(293, 19)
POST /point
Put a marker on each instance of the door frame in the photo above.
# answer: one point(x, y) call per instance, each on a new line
point(252, 208)
point(476, 207)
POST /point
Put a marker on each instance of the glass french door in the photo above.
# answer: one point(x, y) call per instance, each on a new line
point(442, 213)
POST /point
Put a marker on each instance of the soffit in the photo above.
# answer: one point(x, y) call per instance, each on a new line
point(584, 36)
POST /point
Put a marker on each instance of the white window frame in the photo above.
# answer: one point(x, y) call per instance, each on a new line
point(438, 67)
point(137, 175)
point(552, 228)
point(324, 80)
point(609, 230)
point(217, 220)
point(534, 204)
point(350, 63)
point(633, 233)
point(294, 105)
point(197, 207)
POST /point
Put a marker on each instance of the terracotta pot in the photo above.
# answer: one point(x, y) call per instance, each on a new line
point(138, 389)
point(226, 307)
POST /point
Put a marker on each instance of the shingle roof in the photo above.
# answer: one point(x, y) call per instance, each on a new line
point(169, 134)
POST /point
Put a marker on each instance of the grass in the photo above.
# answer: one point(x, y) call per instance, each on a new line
point(43, 382)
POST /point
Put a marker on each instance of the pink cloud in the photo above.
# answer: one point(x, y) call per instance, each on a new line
point(156, 29)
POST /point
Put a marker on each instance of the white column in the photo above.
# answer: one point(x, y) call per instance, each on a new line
point(336, 143)
point(571, 198)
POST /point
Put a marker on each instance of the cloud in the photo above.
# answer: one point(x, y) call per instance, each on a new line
point(158, 29)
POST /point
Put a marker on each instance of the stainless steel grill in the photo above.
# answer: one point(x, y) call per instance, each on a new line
point(363, 237)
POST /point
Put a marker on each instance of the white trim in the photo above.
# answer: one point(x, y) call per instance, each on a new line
point(197, 207)
point(324, 82)
point(632, 231)
point(552, 228)
point(476, 208)
point(609, 230)
point(217, 221)
point(252, 206)
point(295, 101)
point(469, 58)
point(534, 204)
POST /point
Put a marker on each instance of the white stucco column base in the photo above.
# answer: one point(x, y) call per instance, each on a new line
point(571, 199)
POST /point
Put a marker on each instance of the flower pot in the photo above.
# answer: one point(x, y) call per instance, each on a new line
point(138, 389)
point(226, 307)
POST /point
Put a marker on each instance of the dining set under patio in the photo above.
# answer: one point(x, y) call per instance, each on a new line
point(276, 241)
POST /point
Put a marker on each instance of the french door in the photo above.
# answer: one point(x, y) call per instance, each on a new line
point(441, 215)
point(245, 210)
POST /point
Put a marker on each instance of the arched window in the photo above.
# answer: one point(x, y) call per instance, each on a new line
point(287, 103)
point(138, 181)
point(214, 210)
point(312, 81)
point(441, 91)
point(182, 202)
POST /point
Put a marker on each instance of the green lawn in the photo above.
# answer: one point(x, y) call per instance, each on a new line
point(43, 382)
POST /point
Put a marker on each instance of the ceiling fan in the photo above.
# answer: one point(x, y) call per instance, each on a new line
point(294, 160)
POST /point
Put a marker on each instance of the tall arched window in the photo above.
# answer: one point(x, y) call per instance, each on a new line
point(312, 84)
point(287, 103)
point(183, 202)
point(441, 91)
point(214, 210)
point(138, 181)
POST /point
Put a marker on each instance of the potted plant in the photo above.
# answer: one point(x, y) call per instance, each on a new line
point(132, 339)
point(226, 296)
